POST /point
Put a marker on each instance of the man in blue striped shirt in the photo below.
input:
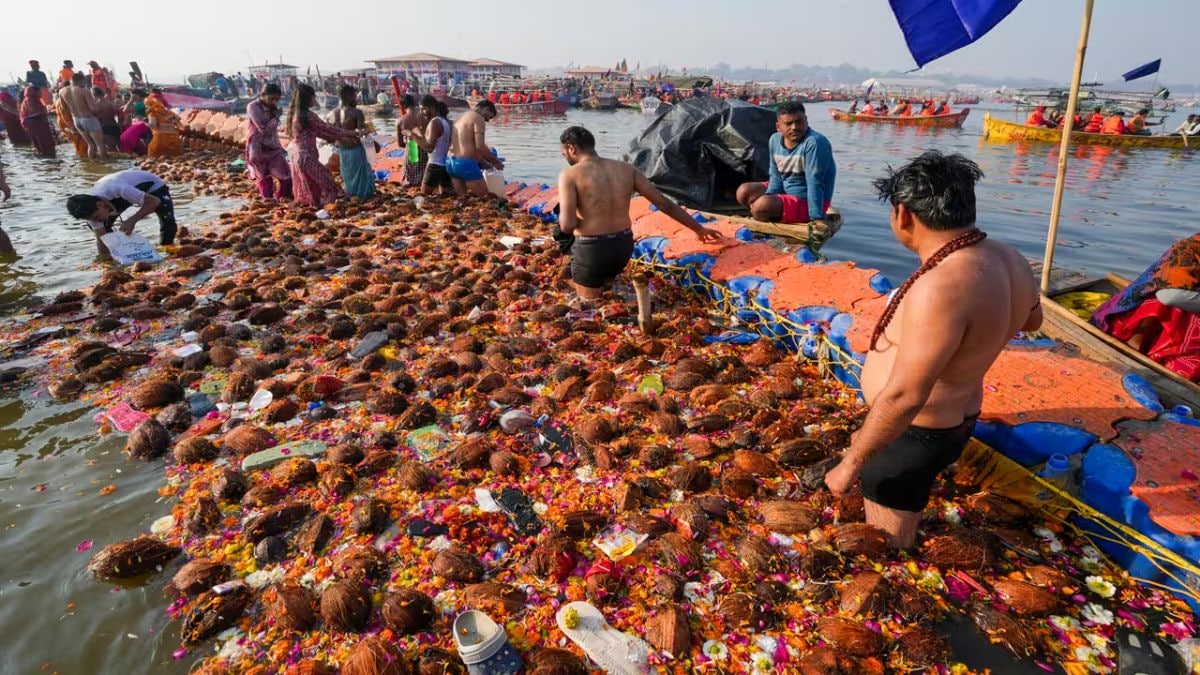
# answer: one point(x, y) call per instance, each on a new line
point(802, 173)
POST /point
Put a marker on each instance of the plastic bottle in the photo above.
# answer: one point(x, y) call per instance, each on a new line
point(1057, 473)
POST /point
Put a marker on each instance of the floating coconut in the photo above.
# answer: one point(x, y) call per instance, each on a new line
point(213, 612)
point(229, 485)
point(494, 599)
point(247, 439)
point(758, 555)
point(314, 534)
point(193, 450)
point(555, 662)
point(743, 611)
point(375, 656)
point(691, 521)
point(798, 453)
point(994, 508)
point(407, 610)
point(582, 524)
point(149, 440)
point(668, 631)
point(553, 558)
point(738, 484)
point(290, 606)
point(369, 516)
point(691, 477)
point(262, 494)
point(435, 661)
point(867, 593)
point(387, 401)
point(417, 416)
point(678, 554)
point(850, 636)
point(155, 394)
point(961, 547)
point(1049, 577)
point(360, 562)
point(376, 461)
point(199, 575)
point(344, 454)
point(416, 476)
point(457, 566)
point(860, 539)
point(275, 520)
point(505, 463)
point(346, 606)
point(294, 471)
point(270, 550)
point(788, 517)
point(1006, 630)
point(1024, 597)
point(201, 515)
point(924, 647)
point(716, 506)
point(131, 558)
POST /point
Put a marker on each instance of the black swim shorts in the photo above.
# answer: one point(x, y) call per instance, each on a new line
point(596, 261)
point(901, 475)
point(436, 176)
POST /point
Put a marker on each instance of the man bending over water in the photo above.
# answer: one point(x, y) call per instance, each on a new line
point(942, 330)
point(593, 200)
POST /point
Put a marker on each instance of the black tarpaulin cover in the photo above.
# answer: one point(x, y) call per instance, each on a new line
point(700, 150)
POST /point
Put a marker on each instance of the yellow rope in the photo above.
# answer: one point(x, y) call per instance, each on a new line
point(829, 354)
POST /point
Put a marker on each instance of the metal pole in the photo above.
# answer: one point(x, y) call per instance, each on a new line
point(1061, 179)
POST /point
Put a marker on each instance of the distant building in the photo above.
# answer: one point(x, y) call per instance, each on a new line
point(424, 65)
point(488, 68)
point(589, 72)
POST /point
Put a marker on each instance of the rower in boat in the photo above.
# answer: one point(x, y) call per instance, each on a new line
point(867, 109)
point(903, 109)
point(1095, 123)
point(927, 109)
point(1115, 124)
point(1037, 118)
point(1137, 125)
point(881, 109)
point(1159, 313)
point(943, 108)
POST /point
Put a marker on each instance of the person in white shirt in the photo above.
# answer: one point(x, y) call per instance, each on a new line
point(1185, 127)
point(112, 195)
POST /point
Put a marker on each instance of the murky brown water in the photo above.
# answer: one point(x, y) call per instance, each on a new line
point(62, 485)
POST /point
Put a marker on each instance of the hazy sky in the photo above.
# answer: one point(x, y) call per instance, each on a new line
point(177, 38)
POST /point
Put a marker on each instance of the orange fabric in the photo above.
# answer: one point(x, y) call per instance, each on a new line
point(1113, 126)
point(1095, 124)
point(867, 110)
point(166, 141)
point(1036, 119)
point(1136, 124)
point(65, 74)
point(66, 123)
point(505, 98)
point(927, 112)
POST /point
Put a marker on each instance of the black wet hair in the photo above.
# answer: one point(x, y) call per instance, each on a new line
point(428, 101)
point(303, 98)
point(579, 137)
point(939, 189)
point(348, 93)
point(98, 92)
point(1098, 108)
point(408, 100)
point(486, 105)
point(443, 109)
point(1144, 111)
point(78, 78)
point(271, 89)
point(82, 206)
point(790, 108)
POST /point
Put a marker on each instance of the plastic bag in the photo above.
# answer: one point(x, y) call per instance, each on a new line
point(127, 249)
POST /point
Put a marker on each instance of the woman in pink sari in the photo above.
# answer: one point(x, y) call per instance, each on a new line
point(311, 181)
point(10, 115)
point(35, 119)
point(267, 160)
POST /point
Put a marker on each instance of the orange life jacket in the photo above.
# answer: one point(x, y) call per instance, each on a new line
point(1095, 124)
point(867, 110)
point(1114, 126)
point(1036, 119)
point(1136, 124)
point(504, 98)
point(927, 112)
point(492, 96)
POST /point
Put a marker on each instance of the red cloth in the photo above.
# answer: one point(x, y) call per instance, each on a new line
point(1171, 335)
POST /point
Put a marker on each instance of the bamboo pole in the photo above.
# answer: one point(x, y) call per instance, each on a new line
point(1061, 179)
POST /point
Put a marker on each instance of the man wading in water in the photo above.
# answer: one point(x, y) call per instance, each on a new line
point(942, 330)
point(594, 196)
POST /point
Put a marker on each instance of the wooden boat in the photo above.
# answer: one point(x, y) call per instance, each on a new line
point(1062, 324)
point(602, 101)
point(996, 129)
point(554, 107)
point(951, 121)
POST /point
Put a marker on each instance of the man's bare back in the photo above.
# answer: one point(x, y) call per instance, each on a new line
point(467, 127)
point(602, 189)
point(79, 101)
point(350, 119)
point(106, 111)
point(989, 289)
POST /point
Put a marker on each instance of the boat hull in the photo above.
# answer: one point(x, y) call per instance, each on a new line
point(951, 121)
point(555, 107)
point(998, 130)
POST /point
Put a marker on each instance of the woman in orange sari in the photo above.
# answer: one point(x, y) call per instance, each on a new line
point(166, 141)
point(66, 124)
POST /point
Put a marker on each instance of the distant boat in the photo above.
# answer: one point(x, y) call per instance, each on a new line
point(551, 107)
point(951, 121)
point(996, 129)
point(603, 100)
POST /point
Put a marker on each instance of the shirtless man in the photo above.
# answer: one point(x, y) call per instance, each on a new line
point(107, 112)
point(923, 376)
point(411, 121)
point(82, 104)
point(594, 195)
point(469, 151)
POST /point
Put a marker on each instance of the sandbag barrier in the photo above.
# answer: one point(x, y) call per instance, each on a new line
point(1106, 510)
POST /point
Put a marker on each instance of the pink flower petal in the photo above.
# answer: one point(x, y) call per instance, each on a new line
point(84, 545)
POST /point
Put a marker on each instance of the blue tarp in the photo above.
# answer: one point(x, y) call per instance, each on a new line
point(934, 28)
point(1142, 71)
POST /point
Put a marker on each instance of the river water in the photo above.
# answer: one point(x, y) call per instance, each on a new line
point(62, 486)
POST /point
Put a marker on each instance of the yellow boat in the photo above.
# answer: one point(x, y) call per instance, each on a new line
point(998, 130)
